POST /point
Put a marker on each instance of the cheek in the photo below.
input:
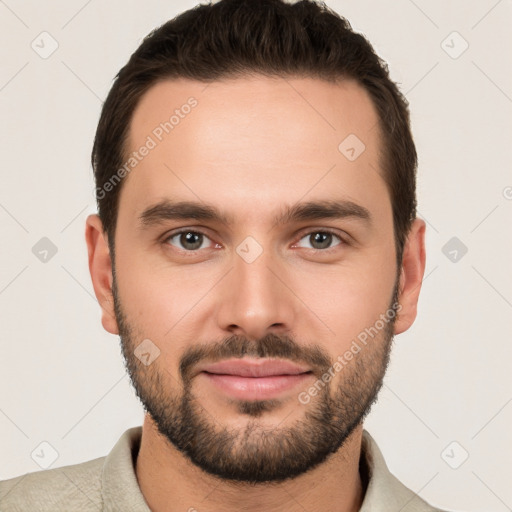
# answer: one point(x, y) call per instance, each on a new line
point(347, 300)
point(146, 297)
point(164, 303)
point(359, 311)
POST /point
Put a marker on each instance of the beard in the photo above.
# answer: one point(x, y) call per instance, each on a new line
point(256, 453)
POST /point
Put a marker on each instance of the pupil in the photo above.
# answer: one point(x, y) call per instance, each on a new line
point(322, 239)
point(191, 239)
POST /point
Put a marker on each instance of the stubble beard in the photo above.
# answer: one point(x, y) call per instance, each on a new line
point(256, 453)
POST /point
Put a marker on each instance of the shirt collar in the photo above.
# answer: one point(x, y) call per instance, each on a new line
point(385, 493)
point(119, 487)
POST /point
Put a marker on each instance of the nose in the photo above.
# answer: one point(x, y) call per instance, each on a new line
point(256, 299)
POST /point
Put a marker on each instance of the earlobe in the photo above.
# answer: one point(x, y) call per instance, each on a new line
point(100, 268)
point(411, 276)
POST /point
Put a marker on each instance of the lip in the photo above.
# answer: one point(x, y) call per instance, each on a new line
point(254, 379)
point(254, 367)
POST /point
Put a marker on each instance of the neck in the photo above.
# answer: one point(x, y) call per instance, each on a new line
point(170, 482)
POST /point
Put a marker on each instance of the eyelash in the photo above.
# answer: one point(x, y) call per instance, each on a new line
point(198, 231)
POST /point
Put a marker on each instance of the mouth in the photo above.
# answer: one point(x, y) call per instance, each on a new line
point(254, 379)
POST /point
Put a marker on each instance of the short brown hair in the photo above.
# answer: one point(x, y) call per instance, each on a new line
point(233, 38)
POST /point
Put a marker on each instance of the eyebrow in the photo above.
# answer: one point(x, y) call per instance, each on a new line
point(312, 210)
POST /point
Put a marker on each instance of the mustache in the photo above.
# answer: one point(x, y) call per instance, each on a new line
point(270, 346)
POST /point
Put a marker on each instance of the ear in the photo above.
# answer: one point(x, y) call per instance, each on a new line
point(411, 276)
point(100, 267)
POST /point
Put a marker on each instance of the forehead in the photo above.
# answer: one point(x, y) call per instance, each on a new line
point(252, 142)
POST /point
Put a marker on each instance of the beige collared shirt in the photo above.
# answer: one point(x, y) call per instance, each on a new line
point(110, 484)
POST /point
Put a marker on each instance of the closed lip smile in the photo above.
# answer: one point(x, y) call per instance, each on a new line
point(254, 367)
point(253, 379)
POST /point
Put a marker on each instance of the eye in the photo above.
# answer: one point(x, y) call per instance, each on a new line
point(320, 240)
point(188, 240)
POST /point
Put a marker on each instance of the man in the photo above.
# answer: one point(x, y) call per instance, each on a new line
point(256, 249)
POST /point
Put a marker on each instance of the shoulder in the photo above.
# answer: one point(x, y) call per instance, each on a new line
point(75, 487)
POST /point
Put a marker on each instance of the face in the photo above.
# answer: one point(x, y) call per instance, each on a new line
point(255, 270)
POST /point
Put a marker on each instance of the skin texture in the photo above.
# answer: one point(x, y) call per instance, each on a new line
point(251, 147)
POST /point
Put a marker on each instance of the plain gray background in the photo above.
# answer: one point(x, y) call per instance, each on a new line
point(447, 395)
